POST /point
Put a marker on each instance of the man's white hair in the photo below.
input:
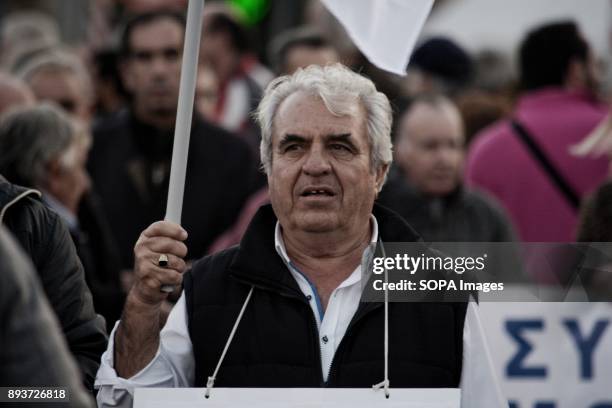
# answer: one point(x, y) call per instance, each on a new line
point(340, 89)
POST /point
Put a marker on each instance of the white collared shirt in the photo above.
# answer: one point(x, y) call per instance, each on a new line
point(174, 366)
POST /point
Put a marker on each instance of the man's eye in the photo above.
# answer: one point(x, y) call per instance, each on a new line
point(291, 148)
point(143, 56)
point(340, 147)
point(171, 54)
point(430, 146)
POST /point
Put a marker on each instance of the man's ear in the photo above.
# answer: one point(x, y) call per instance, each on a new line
point(381, 172)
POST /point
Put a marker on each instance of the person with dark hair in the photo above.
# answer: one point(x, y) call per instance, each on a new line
point(32, 350)
point(526, 161)
point(299, 48)
point(242, 78)
point(131, 153)
point(125, 44)
point(439, 65)
point(554, 55)
point(110, 93)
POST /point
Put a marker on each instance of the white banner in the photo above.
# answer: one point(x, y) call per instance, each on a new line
point(295, 398)
point(552, 355)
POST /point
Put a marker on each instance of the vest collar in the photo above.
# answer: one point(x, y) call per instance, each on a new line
point(257, 263)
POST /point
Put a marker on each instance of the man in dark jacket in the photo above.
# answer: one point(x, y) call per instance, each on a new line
point(130, 158)
point(296, 278)
point(426, 186)
point(42, 148)
point(46, 240)
point(32, 350)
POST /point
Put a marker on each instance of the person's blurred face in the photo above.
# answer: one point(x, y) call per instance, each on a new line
point(321, 179)
point(430, 148)
point(14, 93)
point(302, 56)
point(206, 92)
point(594, 74)
point(65, 89)
point(68, 179)
point(217, 51)
point(152, 70)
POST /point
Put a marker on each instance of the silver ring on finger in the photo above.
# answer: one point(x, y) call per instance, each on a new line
point(162, 261)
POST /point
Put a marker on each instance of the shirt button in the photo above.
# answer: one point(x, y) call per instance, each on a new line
point(309, 297)
point(325, 339)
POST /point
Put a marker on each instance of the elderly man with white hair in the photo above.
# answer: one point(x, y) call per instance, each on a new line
point(43, 148)
point(291, 289)
point(40, 148)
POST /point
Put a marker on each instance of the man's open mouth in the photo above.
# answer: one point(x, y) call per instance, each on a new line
point(317, 192)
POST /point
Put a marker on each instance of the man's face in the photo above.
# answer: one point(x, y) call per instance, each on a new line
point(152, 71)
point(430, 148)
point(321, 178)
point(206, 92)
point(63, 88)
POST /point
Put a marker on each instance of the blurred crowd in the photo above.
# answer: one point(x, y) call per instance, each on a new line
point(88, 98)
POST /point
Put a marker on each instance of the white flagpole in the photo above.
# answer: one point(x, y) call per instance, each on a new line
point(182, 129)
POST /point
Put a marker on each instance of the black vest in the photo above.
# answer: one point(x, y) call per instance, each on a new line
point(277, 345)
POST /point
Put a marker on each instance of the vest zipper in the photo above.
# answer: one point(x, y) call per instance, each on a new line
point(333, 367)
point(313, 321)
point(316, 333)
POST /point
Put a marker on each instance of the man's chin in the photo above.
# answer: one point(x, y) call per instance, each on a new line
point(317, 223)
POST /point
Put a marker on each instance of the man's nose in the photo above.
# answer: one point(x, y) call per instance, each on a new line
point(316, 162)
point(447, 155)
point(159, 65)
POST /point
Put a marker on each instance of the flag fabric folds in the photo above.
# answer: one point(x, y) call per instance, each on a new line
point(384, 30)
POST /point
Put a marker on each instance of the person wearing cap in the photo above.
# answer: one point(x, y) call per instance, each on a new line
point(439, 65)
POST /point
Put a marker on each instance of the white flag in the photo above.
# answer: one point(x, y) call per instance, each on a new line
point(384, 30)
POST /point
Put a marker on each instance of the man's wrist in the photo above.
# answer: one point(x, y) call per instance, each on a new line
point(136, 302)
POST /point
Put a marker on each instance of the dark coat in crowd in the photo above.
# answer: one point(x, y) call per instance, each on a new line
point(32, 352)
point(100, 258)
point(130, 165)
point(462, 216)
point(46, 240)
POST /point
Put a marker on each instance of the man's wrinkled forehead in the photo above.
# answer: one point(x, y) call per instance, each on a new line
point(342, 112)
